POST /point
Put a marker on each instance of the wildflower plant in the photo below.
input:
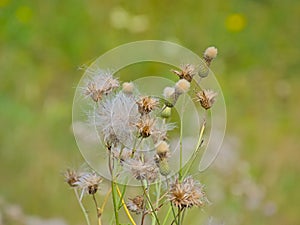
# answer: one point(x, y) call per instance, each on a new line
point(136, 143)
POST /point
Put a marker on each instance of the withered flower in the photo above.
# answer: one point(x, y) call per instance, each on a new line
point(142, 169)
point(187, 193)
point(136, 204)
point(72, 177)
point(206, 98)
point(146, 105)
point(145, 126)
point(187, 72)
point(89, 182)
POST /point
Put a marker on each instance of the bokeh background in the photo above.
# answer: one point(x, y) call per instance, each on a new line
point(255, 180)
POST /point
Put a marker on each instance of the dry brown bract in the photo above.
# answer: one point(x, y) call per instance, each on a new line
point(187, 72)
point(206, 98)
point(145, 126)
point(187, 193)
point(146, 105)
point(136, 204)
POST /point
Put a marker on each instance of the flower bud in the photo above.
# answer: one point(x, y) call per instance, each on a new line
point(166, 113)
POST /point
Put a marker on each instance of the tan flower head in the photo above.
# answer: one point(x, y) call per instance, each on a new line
point(72, 177)
point(146, 105)
point(182, 86)
point(89, 182)
point(210, 54)
point(206, 98)
point(187, 193)
point(128, 87)
point(145, 126)
point(142, 170)
point(136, 204)
point(93, 92)
point(187, 72)
point(100, 83)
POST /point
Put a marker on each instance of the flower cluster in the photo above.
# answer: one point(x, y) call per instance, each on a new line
point(131, 125)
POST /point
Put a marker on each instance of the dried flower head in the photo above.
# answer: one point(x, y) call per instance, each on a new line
point(169, 94)
point(146, 105)
point(72, 177)
point(127, 87)
point(182, 86)
point(187, 72)
point(145, 126)
point(115, 119)
point(206, 98)
point(136, 204)
point(210, 54)
point(142, 169)
point(100, 83)
point(89, 182)
point(187, 193)
point(162, 149)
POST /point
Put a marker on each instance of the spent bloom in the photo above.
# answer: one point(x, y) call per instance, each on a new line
point(115, 119)
point(136, 204)
point(187, 72)
point(142, 169)
point(187, 193)
point(206, 98)
point(182, 86)
point(210, 54)
point(127, 87)
point(71, 177)
point(100, 83)
point(89, 182)
point(146, 104)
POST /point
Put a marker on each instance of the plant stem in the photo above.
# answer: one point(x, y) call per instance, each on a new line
point(125, 207)
point(150, 204)
point(98, 210)
point(194, 156)
point(167, 216)
point(114, 202)
point(82, 207)
point(113, 188)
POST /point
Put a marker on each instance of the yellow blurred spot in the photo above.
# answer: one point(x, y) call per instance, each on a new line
point(4, 3)
point(23, 14)
point(235, 22)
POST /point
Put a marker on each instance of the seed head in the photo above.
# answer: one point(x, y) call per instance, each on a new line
point(210, 54)
point(127, 87)
point(187, 193)
point(146, 105)
point(206, 98)
point(100, 83)
point(169, 94)
point(182, 86)
point(72, 177)
point(136, 204)
point(145, 126)
point(89, 182)
point(187, 72)
point(162, 149)
point(142, 170)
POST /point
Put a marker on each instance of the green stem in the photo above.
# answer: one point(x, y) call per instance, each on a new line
point(115, 202)
point(180, 143)
point(167, 216)
point(82, 207)
point(113, 190)
point(194, 156)
point(150, 204)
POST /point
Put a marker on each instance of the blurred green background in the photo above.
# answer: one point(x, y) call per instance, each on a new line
point(42, 44)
